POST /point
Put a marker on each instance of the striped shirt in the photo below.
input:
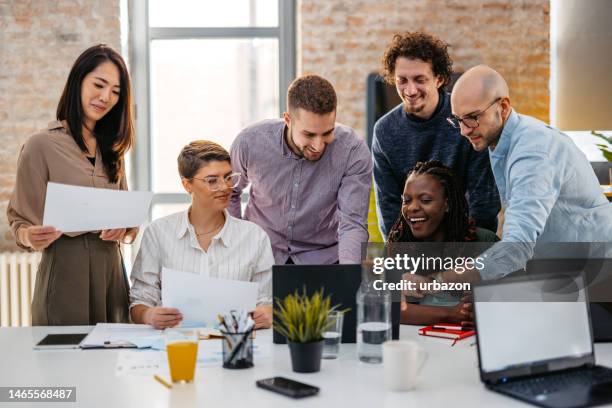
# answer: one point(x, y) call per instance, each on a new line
point(240, 251)
point(314, 211)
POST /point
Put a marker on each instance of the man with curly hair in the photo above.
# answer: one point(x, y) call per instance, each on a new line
point(419, 66)
point(310, 179)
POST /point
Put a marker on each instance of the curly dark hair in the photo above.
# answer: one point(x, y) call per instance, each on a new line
point(456, 223)
point(417, 45)
point(312, 93)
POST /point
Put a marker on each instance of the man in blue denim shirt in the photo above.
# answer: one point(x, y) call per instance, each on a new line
point(547, 186)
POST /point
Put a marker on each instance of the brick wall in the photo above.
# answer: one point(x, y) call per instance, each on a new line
point(343, 40)
point(39, 41)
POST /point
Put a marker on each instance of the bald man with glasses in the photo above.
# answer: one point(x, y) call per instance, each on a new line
point(547, 186)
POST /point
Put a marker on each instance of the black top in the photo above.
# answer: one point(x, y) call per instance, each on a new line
point(92, 160)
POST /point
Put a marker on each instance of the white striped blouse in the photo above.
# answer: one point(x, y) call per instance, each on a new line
point(240, 251)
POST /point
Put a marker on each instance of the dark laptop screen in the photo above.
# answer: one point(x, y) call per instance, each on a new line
point(531, 322)
point(341, 282)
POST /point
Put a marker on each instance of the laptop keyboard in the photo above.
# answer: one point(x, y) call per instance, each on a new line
point(556, 382)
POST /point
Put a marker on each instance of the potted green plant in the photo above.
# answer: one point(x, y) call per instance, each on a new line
point(605, 149)
point(302, 320)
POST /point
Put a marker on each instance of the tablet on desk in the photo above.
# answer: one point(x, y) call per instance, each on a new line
point(60, 341)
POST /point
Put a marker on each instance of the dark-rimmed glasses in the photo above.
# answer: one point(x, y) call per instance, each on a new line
point(470, 121)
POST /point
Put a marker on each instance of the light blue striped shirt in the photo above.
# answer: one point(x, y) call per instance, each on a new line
point(549, 191)
point(315, 212)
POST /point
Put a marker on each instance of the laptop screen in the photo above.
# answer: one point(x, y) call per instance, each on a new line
point(531, 320)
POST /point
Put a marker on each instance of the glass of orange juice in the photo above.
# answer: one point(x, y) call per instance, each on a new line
point(182, 350)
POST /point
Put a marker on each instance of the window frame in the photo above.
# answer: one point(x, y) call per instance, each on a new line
point(141, 36)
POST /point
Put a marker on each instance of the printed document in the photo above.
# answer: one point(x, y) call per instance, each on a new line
point(75, 208)
point(201, 299)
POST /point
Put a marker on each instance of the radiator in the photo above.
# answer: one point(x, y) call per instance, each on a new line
point(17, 277)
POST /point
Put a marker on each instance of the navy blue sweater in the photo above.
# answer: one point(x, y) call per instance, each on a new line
point(401, 140)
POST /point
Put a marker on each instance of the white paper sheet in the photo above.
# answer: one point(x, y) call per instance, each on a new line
point(201, 299)
point(149, 362)
point(75, 208)
point(118, 334)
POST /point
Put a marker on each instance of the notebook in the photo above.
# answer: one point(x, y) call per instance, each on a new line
point(451, 331)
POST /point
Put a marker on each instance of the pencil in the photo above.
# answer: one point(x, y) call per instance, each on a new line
point(162, 382)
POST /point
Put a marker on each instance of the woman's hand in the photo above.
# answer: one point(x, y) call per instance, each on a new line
point(416, 282)
point(38, 237)
point(113, 234)
point(463, 312)
point(162, 317)
point(263, 317)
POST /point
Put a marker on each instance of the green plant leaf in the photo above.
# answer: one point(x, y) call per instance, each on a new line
point(303, 319)
point(608, 139)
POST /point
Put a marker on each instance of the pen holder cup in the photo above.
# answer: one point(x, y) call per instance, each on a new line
point(237, 350)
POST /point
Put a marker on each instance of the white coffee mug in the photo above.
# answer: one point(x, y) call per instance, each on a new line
point(403, 360)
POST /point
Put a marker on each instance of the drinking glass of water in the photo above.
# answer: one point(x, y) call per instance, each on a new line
point(333, 335)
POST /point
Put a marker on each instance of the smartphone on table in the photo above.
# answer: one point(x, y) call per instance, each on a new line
point(288, 387)
point(60, 341)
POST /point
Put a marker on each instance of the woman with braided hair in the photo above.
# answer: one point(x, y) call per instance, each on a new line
point(434, 209)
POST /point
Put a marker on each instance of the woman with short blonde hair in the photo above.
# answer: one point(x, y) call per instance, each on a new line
point(203, 240)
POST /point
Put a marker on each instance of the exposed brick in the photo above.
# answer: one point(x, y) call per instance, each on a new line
point(39, 41)
point(511, 36)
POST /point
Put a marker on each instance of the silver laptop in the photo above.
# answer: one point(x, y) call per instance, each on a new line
point(535, 341)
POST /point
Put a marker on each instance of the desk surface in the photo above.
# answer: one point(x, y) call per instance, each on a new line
point(450, 377)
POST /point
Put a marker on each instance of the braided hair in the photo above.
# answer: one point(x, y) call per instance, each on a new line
point(456, 224)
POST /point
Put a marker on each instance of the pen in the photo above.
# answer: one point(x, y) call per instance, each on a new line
point(222, 321)
point(232, 313)
point(162, 382)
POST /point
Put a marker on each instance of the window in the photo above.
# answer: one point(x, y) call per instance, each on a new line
point(203, 70)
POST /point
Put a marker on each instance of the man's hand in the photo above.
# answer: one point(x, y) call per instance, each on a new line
point(113, 234)
point(262, 315)
point(162, 317)
point(417, 280)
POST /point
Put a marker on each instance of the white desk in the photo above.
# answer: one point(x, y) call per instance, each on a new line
point(449, 379)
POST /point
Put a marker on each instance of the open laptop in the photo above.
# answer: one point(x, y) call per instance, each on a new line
point(535, 341)
point(341, 282)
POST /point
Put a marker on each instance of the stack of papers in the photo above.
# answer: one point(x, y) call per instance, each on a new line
point(151, 362)
point(119, 335)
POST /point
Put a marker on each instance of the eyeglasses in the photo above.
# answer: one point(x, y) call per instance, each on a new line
point(215, 183)
point(470, 121)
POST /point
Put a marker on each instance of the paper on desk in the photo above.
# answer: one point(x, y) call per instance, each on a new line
point(75, 208)
point(119, 335)
point(201, 299)
point(156, 342)
point(150, 362)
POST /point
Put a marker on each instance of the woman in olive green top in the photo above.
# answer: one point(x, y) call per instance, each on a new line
point(80, 279)
point(434, 209)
